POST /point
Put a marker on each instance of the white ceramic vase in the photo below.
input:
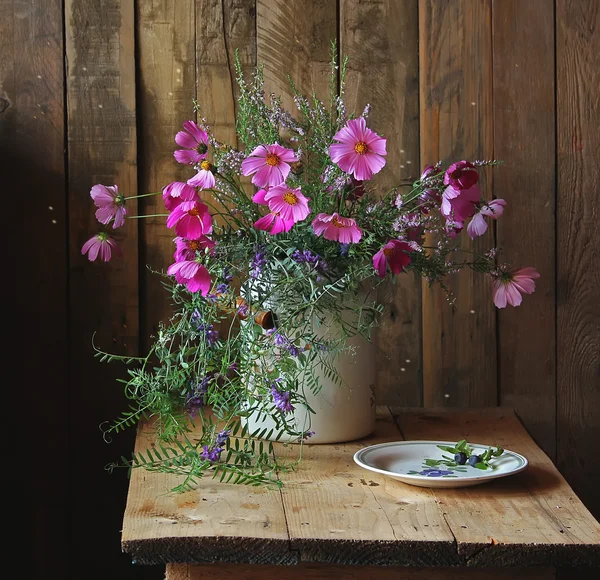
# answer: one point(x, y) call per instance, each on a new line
point(343, 410)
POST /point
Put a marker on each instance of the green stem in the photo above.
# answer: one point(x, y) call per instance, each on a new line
point(143, 195)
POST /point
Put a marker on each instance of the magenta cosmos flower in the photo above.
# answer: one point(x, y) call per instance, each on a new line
point(289, 203)
point(272, 222)
point(270, 164)
point(478, 226)
point(204, 179)
point(176, 192)
point(194, 142)
point(110, 204)
point(508, 286)
point(337, 228)
point(193, 275)
point(461, 175)
point(395, 255)
point(100, 245)
point(360, 151)
point(190, 219)
point(186, 249)
point(460, 204)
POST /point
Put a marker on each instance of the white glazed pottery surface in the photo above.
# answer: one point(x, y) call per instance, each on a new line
point(398, 458)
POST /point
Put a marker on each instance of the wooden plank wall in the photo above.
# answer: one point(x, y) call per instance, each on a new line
point(94, 92)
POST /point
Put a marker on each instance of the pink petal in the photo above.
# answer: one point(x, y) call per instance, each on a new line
point(380, 263)
point(259, 197)
point(252, 164)
point(529, 272)
point(524, 284)
point(513, 295)
point(200, 282)
point(105, 214)
point(477, 226)
point(185, 140)
point(358, 128)
point(339, 150)
point(119, 217)
point(265, 222)
point(187, 156)
point(376, 144)
point(199, 135)
point(499, 294)
point(94, 250)
point(494, 208)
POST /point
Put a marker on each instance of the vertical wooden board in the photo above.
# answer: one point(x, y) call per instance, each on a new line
point(455, 55)
point(221, 28)
point(578, 245)
point(381, 41)
point(524, 138)
point(166, 67)
point(104, 296)
point(294, 39)
point(32, 169)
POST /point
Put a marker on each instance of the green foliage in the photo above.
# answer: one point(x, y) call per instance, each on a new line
point(214, 354)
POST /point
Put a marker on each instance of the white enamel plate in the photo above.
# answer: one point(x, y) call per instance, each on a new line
point(405, 461)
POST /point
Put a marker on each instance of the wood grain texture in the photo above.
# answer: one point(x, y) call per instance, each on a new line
point(578, 245)
point(455, 55)
point(524, 138)
point(294, 39)
point(32, 132)
point(383, 71)
point(166, 64)
point(104, 297)
point(221, 28)
point(215, 523)
point(326, 572)
point(338, 513)
point(532, 518)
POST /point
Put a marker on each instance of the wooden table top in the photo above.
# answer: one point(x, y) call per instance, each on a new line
point(332, 511)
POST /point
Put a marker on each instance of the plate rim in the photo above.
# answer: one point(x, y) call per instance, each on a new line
point(396, 475)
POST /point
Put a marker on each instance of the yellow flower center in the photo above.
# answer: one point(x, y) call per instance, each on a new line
point(387, 252)
point(337, 223)
point(290, 198)
point(272, 159)
point(194, 245)
point(206, 165)
point(361, 148)
point(194, 212)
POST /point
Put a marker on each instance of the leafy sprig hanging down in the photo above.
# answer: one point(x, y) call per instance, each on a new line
point(262, 269)
point(463, 453)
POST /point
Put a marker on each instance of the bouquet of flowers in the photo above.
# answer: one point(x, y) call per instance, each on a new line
point(269, 241)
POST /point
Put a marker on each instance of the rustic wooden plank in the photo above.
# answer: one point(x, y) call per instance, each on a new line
point(530, 519)
point(455, 52)
point(524, 138)
point(216, 522)
point(221, 28)
point(294, 39)
point(578, 245)
point(103, 297)
point(381, 40)
point(306, 571)
point(32, 131)
point(337, 513)
point(167, 86)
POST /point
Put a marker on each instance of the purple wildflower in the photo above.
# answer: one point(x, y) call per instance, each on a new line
point(283, 341)
point(197, 398)
point(344, 249)
point(281, 399)
point(211, 454)
point(222, 288)
point(258, 262)
point(210, 333)
point(222, 437)
point(243, 310)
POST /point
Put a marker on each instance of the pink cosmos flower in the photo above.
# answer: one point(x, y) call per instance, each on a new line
point(176, 192)
point(289, 203)
point(272, 222)
point(270, 164)
point(190, 219)
point(460, 204)
point(360, 151)
point(110, 204)
point(337, 228)
point(195, 143)
point(395, 255)
point(100, 245)
point(509, 286)
point(478, 226)
point(186, 249)
point(461, 175)
point(204, 179)
point(193, 275)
